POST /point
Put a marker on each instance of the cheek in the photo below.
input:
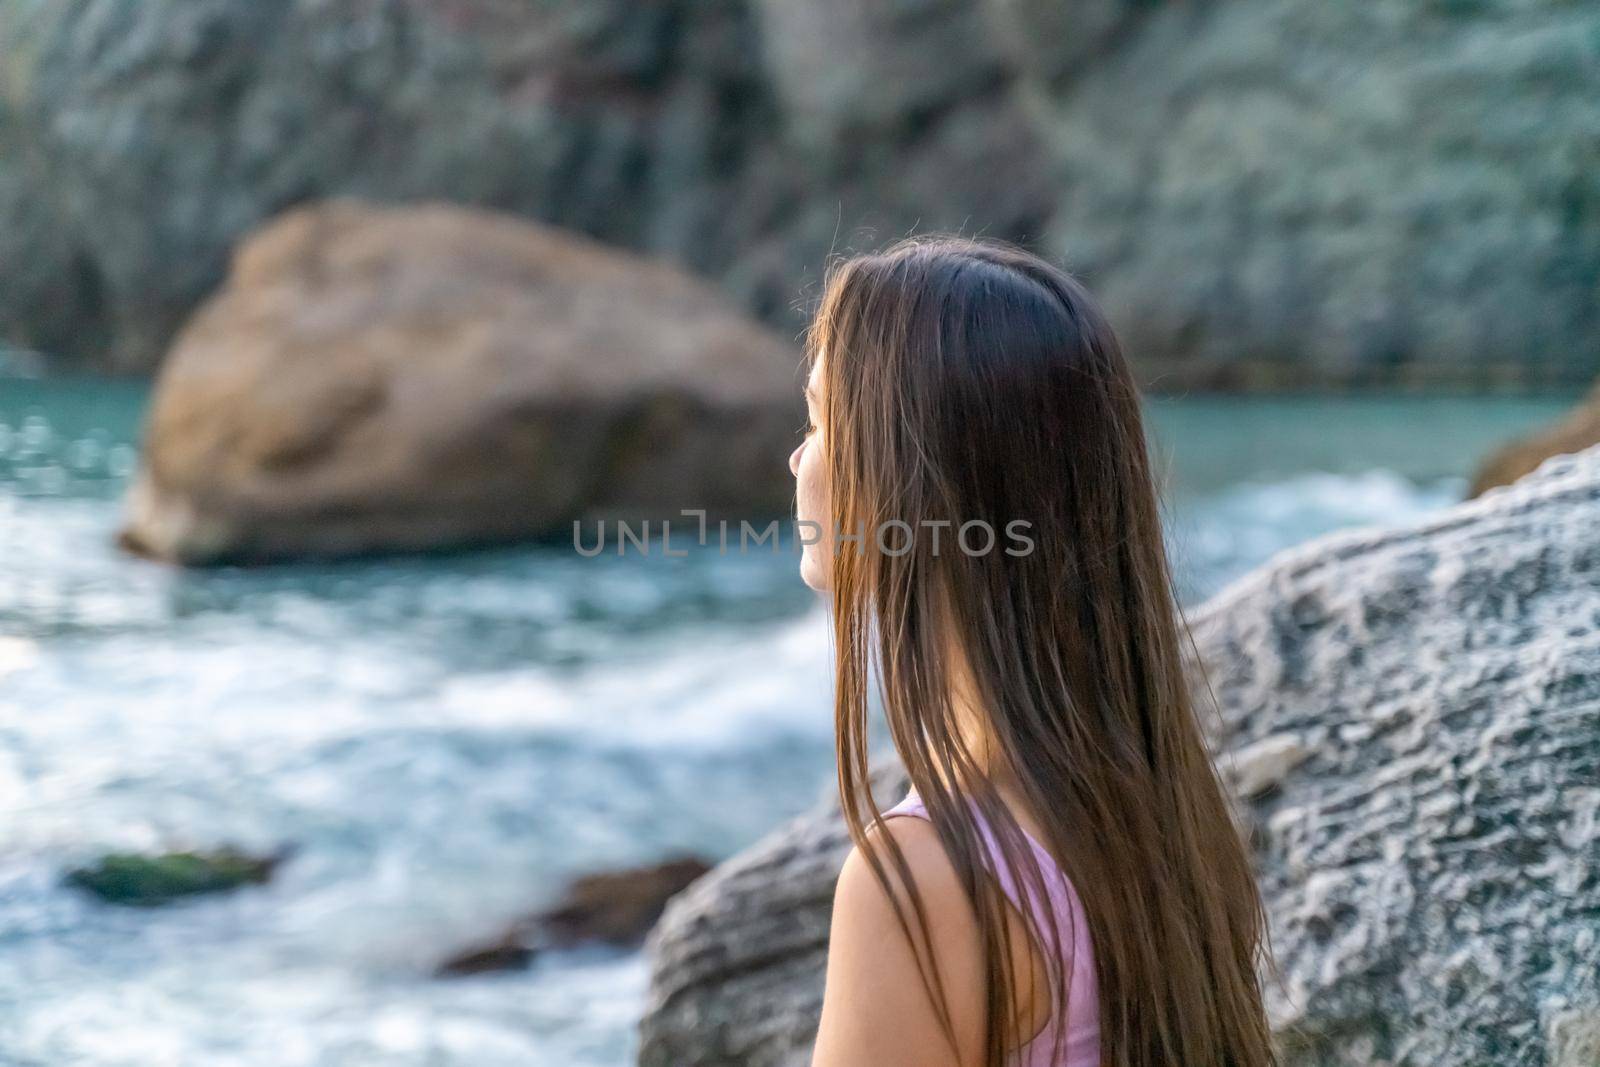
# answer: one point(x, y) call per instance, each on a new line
point(810, 490)
point(811, 506)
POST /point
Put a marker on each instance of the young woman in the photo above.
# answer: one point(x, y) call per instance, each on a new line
point(1066, 885)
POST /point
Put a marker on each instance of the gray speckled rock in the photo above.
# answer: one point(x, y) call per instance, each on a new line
point(738, 957)
point(1433, 864)
point(1415, 715)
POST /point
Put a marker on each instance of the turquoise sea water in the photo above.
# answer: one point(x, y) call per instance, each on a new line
point(448, 739)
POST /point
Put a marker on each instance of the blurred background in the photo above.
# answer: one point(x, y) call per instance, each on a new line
point(322, 321)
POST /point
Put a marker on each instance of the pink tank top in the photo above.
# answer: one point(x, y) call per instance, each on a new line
point(1082, 1019)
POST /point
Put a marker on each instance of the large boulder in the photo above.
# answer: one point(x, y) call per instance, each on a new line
point(379, 379)
point(1410, 718)
point(1578, 430)
point(1264, 191)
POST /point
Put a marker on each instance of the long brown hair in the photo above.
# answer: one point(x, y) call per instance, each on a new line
point(963, 380)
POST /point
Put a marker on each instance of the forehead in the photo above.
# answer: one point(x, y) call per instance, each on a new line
point(814, 379)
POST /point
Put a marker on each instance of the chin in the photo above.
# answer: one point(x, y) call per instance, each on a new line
point(812, 574)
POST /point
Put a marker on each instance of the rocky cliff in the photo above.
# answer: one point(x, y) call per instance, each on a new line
point(1411, 720)
point(1264, 190)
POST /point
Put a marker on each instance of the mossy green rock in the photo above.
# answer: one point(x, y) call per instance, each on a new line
point(146, 881)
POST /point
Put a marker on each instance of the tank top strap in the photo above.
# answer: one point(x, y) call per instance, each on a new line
point(1062, 904)
point(1059, 895)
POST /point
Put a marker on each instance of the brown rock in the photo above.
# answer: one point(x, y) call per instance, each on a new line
point(510, 953)
point(618, 907)
point(611, 907)
point(1576, 432)
point(375, 379)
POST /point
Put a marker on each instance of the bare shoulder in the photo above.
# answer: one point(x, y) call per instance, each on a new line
point(873, 969)
point(932, 872)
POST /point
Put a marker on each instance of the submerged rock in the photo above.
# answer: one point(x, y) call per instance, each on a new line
point(375, 379)
point(1577, 431)
point(148, 880)
point(510, 952)
point(1415, 713)
point(618, 907)
point(610, 907)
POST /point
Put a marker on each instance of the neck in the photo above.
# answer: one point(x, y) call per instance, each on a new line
point(971, 721)
point(972, 725)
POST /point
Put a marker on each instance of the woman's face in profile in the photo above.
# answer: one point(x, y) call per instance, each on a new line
point(811, 491)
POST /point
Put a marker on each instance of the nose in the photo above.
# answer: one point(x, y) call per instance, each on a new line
point(794, 459)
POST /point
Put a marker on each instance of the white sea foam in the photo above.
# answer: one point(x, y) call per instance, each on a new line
point(445, 740)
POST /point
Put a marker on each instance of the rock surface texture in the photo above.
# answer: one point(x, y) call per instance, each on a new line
point(376, 379)
point(1414, 716)
point(1264, 191)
